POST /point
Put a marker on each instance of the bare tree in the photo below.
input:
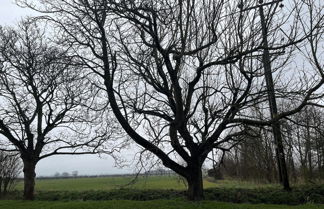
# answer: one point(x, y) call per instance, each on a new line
point(45, 102)
point(253, 159)
point(182, 76)
point(306, 132)
point(10, 168)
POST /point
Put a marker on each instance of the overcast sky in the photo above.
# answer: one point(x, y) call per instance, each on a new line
point(10, 14)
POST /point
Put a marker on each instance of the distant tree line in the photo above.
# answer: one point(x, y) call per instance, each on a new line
point(160, 172)
point(254, 157)
point(73, 174)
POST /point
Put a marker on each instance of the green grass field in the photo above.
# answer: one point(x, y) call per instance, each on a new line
point(159, 192)
point(155, 204)
point(143, 183)
point(109, 183)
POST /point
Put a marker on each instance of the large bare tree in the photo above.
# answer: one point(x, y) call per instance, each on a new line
point(182, 76)
point(47, 107)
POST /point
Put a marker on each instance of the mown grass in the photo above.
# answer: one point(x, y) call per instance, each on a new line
point(168, 188)
point(155, 204)
point(142, 183)
point(110, 183)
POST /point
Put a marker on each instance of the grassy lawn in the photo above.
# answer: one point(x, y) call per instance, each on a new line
point(143, 183)
point(236, 184)
point(156, 190)
point(155, 204)
point(109, 183)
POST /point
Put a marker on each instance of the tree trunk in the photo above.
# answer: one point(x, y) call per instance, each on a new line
point(278, 162)
point(29, 179)
point(0, 186)
point(309, 150)
point(5, 185)
point(195, 184)
point(282, 160)
point(266, 59)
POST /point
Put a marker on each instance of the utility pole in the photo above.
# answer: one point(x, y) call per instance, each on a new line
point(276, 129)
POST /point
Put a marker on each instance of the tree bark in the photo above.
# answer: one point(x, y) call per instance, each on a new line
point(195, 184)
point(29, 179)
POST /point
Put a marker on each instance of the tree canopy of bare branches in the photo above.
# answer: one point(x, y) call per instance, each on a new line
point(182, 76)
point(47, 107)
